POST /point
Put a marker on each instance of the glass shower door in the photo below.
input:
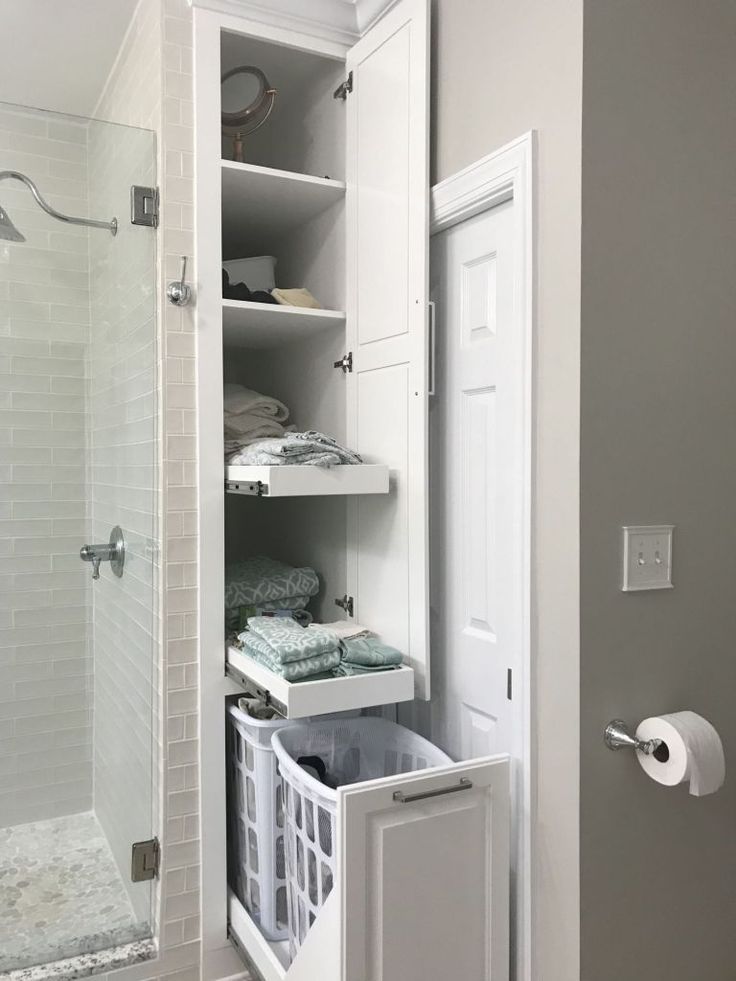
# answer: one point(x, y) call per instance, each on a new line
point(78, 458)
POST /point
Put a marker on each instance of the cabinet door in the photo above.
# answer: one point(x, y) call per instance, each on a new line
point(387, 234)
point(425, 877)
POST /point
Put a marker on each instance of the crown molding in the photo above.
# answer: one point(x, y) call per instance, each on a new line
point(343, 21)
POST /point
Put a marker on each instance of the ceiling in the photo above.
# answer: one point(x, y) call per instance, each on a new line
point(57, 54)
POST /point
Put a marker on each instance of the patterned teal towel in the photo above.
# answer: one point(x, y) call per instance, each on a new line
point(344, 669)
point(369, 652)
point(307, 668)
point(260, 581)
point(290, 642)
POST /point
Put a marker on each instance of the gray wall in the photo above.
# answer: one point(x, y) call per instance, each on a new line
point(658, 868)
point(501, 69)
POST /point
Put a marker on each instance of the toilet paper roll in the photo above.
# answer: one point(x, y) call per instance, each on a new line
point(691, 751)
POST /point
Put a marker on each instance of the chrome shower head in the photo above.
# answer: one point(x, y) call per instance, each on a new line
point(8, 231)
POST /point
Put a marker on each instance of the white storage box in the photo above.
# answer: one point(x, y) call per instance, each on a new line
point(256, 861)
point(258, 273)
point(352, 751)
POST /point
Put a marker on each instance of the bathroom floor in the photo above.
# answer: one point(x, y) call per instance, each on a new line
point(60, 893)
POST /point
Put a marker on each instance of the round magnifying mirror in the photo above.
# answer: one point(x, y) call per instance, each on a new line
point(246, 103)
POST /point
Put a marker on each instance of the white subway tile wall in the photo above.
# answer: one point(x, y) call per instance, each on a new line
point(123, 490)
point(45, 657)
point(151, 86)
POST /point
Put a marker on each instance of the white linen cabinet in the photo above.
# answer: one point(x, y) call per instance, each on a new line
point(335, 185)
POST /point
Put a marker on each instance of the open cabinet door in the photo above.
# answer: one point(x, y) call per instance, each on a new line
point(387, 270)
point(424, 881)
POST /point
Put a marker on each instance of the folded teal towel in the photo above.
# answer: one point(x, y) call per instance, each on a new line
point(260, 581)
point(288, 641)
point(369, 652)
point(345, 669)
point(307, 668)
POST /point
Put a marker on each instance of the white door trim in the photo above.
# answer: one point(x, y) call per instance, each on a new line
point(508, 174)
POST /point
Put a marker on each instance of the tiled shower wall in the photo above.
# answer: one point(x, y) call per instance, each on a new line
point(151, 86)
point(123, 485)
point(45, 663)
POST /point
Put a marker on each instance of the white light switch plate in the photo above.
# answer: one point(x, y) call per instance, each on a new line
point(647, 557)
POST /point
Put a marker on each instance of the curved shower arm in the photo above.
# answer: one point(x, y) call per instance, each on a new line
point(111, 226)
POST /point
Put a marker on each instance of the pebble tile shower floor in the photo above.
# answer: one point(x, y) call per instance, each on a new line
point(60, 893)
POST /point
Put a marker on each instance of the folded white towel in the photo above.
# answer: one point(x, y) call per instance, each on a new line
point(344, 629)
point(239, 400)
point(246, 423)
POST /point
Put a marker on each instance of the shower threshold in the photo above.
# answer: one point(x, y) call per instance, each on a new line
point(64, 909)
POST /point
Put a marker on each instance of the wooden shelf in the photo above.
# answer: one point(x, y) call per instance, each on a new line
point(264, 325)
point(297, 699)
point(260, 200)
point(307, 481)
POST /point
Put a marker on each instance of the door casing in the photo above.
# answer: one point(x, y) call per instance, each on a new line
point(508, 175)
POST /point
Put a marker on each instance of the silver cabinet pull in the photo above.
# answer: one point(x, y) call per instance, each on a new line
point(401, 798)
point(432, 347)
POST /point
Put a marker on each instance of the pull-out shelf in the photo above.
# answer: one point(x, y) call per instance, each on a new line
point(295, 700)
point(301, 481)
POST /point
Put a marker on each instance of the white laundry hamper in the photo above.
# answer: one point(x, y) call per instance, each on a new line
point(256, 858)
point(352, 750)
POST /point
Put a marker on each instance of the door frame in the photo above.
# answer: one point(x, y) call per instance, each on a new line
point(507, 174)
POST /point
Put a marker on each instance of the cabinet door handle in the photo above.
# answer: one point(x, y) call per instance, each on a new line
point(432, 349)
point(401, 798)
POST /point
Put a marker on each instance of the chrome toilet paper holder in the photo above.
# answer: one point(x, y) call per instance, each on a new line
point(616, 735)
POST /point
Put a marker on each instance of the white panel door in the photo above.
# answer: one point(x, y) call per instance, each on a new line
point(387, 233)
point(425, 878)
point(476, 451)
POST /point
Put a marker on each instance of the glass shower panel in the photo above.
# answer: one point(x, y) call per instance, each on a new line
point(78, 458)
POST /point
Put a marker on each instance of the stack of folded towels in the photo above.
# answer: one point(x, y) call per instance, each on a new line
point(250, 416)
point(320, 650)
point(256, 435)
point(289, 650)
point(296, 449)
point(259, 584)
point(362, 651)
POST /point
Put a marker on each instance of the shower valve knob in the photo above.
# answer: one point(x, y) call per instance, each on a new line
point(112, 552)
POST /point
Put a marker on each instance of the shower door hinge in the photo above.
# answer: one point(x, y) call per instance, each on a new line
point(346, 603)
point(144, 206)
point(341, 92)
point(345, 362)
point(145, 860)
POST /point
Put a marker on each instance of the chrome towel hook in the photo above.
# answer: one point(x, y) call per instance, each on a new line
point(616, 735)
point(178, 292)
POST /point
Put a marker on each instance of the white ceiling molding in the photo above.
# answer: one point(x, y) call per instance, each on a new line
point(368, 11)
point(343, 21)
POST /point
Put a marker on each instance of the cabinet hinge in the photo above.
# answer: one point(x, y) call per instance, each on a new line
point(346, 603)
point(345, 362)
point(341, 92)
point(144, 206)
point(145, 861)
point(509, 683)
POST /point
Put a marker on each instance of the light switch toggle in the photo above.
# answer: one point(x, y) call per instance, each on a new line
point(647, 557)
